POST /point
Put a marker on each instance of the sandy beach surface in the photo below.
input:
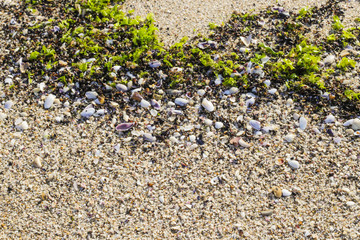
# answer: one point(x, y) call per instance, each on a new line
point(67, 177)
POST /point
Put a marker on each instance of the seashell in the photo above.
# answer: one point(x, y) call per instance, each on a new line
point(49, 101)
point(136, 96)
point(121, 87)
point(267, 213)
point(243, 143)
point(122, 127)
point(330, 119)
point(144, 103)
point(277, 192)
point(8, 104)
point(219, 125)
point(155, 104)
point(87, 112)
point(255, 124)
point(201, 92)
point(293, 164)
point(235, 141)
point(355, 124)
point(176, 112)
point(148, 137)
point(289, 102)
point(116, 68)
point(181, 102)
point(249, 102)
point(37, 162)
point(290, 137)
point(207, 105)
point(337, 139)
point(155, 64)
point(272, 91)
point(265, 59)
point(3, 116)
point(329, 59)
point(302, 123)
point(267, 83)
point(286, 193)
point(208, 122)
point(348, 123)
point(91, 95)
point(247, 40)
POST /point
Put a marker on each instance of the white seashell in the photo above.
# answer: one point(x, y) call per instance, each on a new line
point(49, 101)
point(37, 162)
point(244, 144)
point(149, 137)
point(265, 59)
point(155, 64)
point(272, 91)
point(329, 59)
point(219, 125)
point(161, 199)
point(231, 91)
point(187, 128)
point(290, 137)
point(250, 102)
point(285, 193)
point(20, 124)
point(302, 123)
point(289, 102)
point(100, 112)
point(267, 83)
point(207, 105)
point(8, 104)
point(255, 124)
point(350, 203)
point(201, 92)
point(181, 102)
point(87, 112)
point(3, 116)
point(116, 68)
point(247, 40)
point(348, 123)
point(8, 81)
point(214, 180)
point(293, 164)
point(337, 139)
point(356, 124)
point(91, 95)
point(144, 103)
point(330, 119)
point(208, 122)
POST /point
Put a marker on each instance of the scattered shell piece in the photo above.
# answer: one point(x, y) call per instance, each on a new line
point(302, 123)
point(286, 193)
point(244, 144)
point(289, 102)
point(8, 104)
point(49, 101)
point(293, 164)
point(290, 137)
point(255, 124)
point(87, 112)
point(149, 137)
point(267, 83)
point(250, 102)
point(219, 125)
point(330, 119)
point(144, 103)
point(121, 87)
point(201, 92)
point(91, 95)
point(122, 127)
point(155, 104)
point(181, 102)
point(207, 105)
point(350, 203)
point(277, 191)
point(329, 59)
point(272, 91)
point(37, 162)
point(246, 40)
point(348, 123)
point(20, 124)
point(155, 64)
point(355, 125)
point(267, 213)
point(208, 122)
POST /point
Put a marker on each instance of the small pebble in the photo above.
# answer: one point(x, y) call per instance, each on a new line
point(91, 95)
point(49, 101)
point(121, 87)
point(302, 123)
point(267, 213)
point(37, 162)
point(219, 125)
point(286, 193)
point(208, 105)
point(8, 104)
point(144, 103)
point(87, 112)
point(289, 137)
point(293, 164)
point(208, 122)
point(330, 119)
point(255, 124)
point(356, 124)
point(201, 92)
point(181, 102)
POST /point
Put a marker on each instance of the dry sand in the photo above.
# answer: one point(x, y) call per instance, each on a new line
point(94, 183)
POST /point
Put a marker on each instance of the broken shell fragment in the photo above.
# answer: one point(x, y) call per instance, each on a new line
point(122, 127)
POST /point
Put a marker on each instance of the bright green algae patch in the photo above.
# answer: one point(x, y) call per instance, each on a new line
point(96, 38)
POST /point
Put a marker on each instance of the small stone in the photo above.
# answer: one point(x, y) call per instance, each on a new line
point(290, 137)
point(3, 116)
point(250, 102)
point(286, 193)
point(49, 101)
point(272, 91)
point(355, 124)
point(8, 104)
point(37, 162)
point(330, 119)
point(121, 87)
point(302, 123)
point(296, 116)
point(267, 213)
point(289, 102)
point(148, 137)
point(350, 132)
point(87, 112)
point(208, 105)
point(208, 122)
point(181, 102)
point(277, 192)
point(91, 95)
point(161, 199)
point(255, 124)
point(293, 164)
point(62, 63)
point(350, 203)
point(219, 125)
point(201, 92)
point(329, 59)
point(144, 103)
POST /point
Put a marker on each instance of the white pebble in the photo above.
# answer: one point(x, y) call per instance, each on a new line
point(290, 137)
point(207, 105)
point(201, 92)
point(302, 123)
point(144, 103)
point(272, 91)
point(87, 112)
point(161, 199)
point(293, 164)
point(267, 83)
point(330, 119)
point(208, 122)
point(121, 87)
point(219, 125)
point(91, 95)
point(250, 102)
point(296, 116)
point(285, 193)
point(37, 162)
point(350, 203)
point(289, 102)
point(181, 102)
point(3, 116)
point(255, 124)
point(49, 101)
point(8, 104)
point(355, 124)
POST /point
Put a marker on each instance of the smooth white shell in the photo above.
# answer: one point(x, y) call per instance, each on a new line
point(294, 164)
point(290, 137)
point(255, 124)
point(356, 124)
point(91, 95)
point(181, 102)
point(49, 101)
point(244, 144)
point(207, 105)
point(302, 123)
point(87, 112)
point(285, 193)
point(330, 119)
point(144, 103)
